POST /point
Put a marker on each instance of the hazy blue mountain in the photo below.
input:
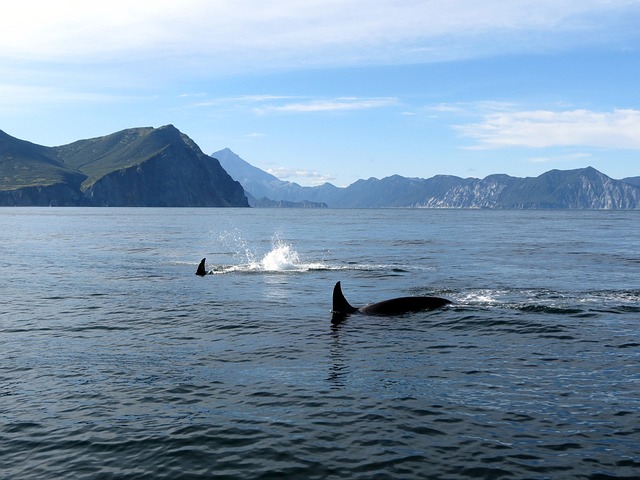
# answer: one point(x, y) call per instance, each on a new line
point(255, 181)
point(264, 202)
point(133, 167)
point(265, 187)
point(632, 181)
point(581, 188)
point(584, 188)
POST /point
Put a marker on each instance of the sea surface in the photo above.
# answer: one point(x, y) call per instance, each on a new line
point(116, 361)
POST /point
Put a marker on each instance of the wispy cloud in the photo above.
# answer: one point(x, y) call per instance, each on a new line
point(309, 176)
point(25, 95)
point(244, 100)
point(570, 157)
point(472, 108)
point(264, 104)
point(315, 32)
point(617, 129)
point(329, 105)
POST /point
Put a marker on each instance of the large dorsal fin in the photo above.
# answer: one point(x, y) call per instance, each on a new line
point(201, 271)
point(340, 304)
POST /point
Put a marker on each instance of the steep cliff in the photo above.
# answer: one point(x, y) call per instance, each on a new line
point(170, 178)
point(133, 167)
point(152, 168)
point(56, 195)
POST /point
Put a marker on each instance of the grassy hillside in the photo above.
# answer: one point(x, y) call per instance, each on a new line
point(24, 164)
point(97, 157)
point(134, 167)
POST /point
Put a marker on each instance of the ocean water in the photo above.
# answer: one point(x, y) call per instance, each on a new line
point(116, 361)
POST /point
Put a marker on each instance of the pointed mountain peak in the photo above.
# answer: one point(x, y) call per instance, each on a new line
point(226, 151)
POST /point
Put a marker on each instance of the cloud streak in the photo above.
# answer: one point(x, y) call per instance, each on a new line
point(278, 33)
point(329, 105)
point(572, 157)
point(14, 96)
point(311, 177)
point(617, 129)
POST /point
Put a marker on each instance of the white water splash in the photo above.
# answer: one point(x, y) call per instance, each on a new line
point(281, 258)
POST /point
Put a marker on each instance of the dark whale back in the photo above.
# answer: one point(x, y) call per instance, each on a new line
point(398, 306)
point(394, 306)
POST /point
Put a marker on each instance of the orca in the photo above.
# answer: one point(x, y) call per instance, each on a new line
point(201, 271)
point(394, 306)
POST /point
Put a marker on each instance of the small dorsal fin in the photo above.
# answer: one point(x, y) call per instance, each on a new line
point(201, 271)
point(340, 304)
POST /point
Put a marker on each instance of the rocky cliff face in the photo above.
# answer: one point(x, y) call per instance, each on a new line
point(135, 167)
point(574, 189)
point(176, 176)
point(57, 195)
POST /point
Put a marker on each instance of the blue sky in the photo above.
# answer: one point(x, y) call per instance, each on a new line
point(337, 90)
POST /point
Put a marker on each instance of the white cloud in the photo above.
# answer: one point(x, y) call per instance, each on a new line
point(309, 176)
point(472, 108)
point(571, 157)
point(24, 95)
point(264, 104)
point(243, 100)
point(246, 33)
point(618, 129)
point(329, 105)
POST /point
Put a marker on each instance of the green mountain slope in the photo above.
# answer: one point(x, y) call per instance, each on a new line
point(97, 157)
point(133, 167)
point(24, 164)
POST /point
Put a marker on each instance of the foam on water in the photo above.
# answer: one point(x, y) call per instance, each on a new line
point(281, 258)
point(547, 300)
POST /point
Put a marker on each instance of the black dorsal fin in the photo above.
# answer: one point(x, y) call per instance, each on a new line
point(201, 271)
point(340, 304)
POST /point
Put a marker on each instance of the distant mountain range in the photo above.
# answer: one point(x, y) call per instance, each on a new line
point(150, 167)
point(584, 188)
point(159, 167)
